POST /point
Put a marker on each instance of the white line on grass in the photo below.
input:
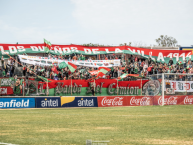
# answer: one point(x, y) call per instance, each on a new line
point(7, 143)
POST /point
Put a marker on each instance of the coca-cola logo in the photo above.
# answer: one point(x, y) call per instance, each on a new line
point(144, 101)
point(168, 101)
point(188, 100)
point(117, 101)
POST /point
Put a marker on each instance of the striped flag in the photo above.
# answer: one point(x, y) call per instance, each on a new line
point(123, 76)
point(72, 66)
point(126, 75)
point(103, 71)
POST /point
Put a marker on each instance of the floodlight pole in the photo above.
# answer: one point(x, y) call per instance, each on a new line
point(162, 89)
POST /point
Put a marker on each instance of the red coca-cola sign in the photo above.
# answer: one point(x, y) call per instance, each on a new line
point(188, 100)
point(143, 100)
point(140, 101)
point(112, 101)
point(169, 100)
point(174, 100)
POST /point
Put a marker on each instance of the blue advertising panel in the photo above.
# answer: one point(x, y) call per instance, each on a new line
point(48, 102)
point(17, 102)
point(79, 102)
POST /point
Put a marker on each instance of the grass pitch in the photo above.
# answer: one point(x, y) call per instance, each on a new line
point(119, 125)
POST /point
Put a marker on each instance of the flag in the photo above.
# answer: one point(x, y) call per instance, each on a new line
point(126, 75)
point(40, 78)
point(47, 45)
point(180, 63)
point(54, 69)
point(46, 49)
point(123, 76)
point(95, 72)
point(103, 71)
point(62, 65)
point(72, 67)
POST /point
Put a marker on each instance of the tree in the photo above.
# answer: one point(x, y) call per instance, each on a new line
point(166, 41)
point(129, 44)
point(92, 45)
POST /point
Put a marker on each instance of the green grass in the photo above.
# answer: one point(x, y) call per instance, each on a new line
point(119, 125)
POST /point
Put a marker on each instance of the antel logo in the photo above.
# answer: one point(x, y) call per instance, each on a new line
point(117, 101)
point(14, 103)
point(49, 103)
point(86, 102)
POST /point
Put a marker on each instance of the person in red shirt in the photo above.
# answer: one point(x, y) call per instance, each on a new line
point(74, 58)
point(142, 64)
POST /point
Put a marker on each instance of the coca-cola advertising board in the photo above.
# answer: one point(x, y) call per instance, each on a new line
point(112, 101)
point(143, 100)
point(125, 101)
point(174, 100)
point(140, 101)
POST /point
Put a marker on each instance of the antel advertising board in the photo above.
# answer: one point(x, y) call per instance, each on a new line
point(48, 102)
point(79, 102)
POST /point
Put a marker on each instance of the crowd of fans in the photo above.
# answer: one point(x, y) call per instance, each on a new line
point(130, 65)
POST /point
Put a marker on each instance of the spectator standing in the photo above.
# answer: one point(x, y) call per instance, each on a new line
point(170, 62)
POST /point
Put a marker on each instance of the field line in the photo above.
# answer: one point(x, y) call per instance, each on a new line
point(7, 143)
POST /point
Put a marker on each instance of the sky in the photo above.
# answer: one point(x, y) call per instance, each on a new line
point(108, 22)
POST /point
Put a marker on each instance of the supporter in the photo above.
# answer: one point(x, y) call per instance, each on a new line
point(17, 88)
point(134, 65)
point(2, 60)
point(11, 69)
point(170, 62)
point(24, 70)
point(74, 57)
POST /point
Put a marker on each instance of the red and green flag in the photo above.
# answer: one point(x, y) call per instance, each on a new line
point(47, 45)
point(62, 65)
point(180, 63)
point(123, 76)
point(54, 69)
point(126, 75)
point(72, 67)
point(103, 71)
point(40, 78)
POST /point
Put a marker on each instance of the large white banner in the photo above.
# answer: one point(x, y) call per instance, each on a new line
point(179, 86)
point(45, 61)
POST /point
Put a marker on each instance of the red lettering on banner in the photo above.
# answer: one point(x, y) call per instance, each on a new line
point(187, 86)
point(174, 85)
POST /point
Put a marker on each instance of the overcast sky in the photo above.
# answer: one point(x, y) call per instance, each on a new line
point(108, 22)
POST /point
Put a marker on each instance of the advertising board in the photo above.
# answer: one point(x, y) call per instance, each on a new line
point(79, 102)
point(125, 101)
point(17, 102)
point(174, 100)
point(112, 101)
point(48, 102)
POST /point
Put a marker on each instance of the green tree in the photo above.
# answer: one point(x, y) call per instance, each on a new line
point(129, 44)
point(166, 41)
